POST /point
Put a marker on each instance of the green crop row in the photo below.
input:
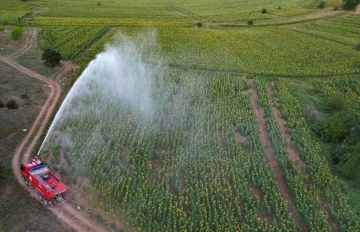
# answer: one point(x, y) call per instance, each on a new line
point(69, 41)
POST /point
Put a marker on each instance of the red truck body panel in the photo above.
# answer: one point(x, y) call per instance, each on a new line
point(42, 179)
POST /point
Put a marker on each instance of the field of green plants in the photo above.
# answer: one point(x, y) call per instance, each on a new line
point(198, 161)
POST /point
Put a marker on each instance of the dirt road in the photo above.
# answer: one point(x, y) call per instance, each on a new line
point(65, 212)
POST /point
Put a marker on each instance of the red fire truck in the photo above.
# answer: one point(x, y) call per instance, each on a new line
point(51, 190)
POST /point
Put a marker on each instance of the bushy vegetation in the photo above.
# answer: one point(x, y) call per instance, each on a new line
point(16, 33)
point(52, 58)
point(25, 96)
point(322, 5)
point(350, 4)
point(358, 47)
point(250, 22)
point(12, 104)
point(264, 11)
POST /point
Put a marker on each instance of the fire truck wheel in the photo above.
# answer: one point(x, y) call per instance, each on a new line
point(46, 203)
point(26, 182)
point(42, 199)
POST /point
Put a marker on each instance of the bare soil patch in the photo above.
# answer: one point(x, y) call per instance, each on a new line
point(256, 192)
point(155, 168)
point(239, 138)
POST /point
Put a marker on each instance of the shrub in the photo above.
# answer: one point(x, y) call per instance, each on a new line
point(264, 11)
point(199, 24)
point(336, 128)
point(16, 33)
point(250, 22)
point(349, 164)
point(25, 96)
point(358, 47)
point(51, 57)
point(11, 104)
point(336, 8)
point(1, 104)
point(336, 103)
point(2, 28)
point(322, 5)
point(279, 7)
point(350, 4)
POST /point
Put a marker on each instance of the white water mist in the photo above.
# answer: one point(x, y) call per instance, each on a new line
point(117, 75)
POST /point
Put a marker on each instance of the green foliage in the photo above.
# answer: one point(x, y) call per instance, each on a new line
point(12, 104)
point(52, 58)
point(2, 28)
point(24, 96)
point(16, 33)
point(336, 103)
point(199, 24)
point(322, 5)
point(264, 11)
point(70, 41)
point(250, 22)
point(350, 4)
point(358, 47)
point(349, 164)
point(337, 127)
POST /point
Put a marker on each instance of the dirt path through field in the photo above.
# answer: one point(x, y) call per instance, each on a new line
point(270, 157)
point(31, 41)
point(75, 219)
point(281, 122)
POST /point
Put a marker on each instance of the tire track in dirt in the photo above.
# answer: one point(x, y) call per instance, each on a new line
point(270, 157)
point(30, 42)
point(65, 213)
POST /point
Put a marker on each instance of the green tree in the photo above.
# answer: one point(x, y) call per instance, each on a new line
point(52, 58)
point(337, 127)
point(350, 4)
